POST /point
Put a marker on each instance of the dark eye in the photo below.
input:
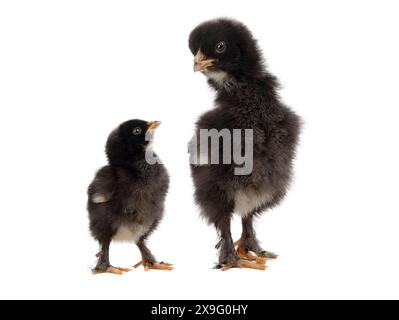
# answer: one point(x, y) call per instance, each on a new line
point(137, 131)
point(220, 47)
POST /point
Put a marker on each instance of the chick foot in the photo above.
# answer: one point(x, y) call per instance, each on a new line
point(243, 263)
point(110, 269)
point(260, 257)
point(155, 266)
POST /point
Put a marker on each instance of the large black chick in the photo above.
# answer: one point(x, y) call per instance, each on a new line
point(246, 98)
point(126, 197)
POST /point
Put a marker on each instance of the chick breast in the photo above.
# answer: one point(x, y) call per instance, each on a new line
point(131, 232)
point(249, 199)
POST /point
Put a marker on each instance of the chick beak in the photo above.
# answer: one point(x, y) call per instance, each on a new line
point(201, 62)
point(152, 125)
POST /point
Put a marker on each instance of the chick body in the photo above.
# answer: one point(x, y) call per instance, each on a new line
point(137, 203)
point(126, 197)
point(246, 98)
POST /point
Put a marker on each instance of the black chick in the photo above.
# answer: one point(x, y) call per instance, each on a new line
point(246, 98)
point(126, 197)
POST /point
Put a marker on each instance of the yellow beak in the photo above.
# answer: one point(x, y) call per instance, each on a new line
point(201, 62)
point(152, 125)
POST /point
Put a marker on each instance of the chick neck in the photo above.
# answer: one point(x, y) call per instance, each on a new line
point(243, 85)
point(125, 157)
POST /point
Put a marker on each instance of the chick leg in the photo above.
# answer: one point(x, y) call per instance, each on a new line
point(103, 265)
point(248, 243)
point(148, 260)
point(228, 257)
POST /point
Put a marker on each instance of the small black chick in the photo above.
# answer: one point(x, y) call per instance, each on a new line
point(126, 197)
point(246, 98)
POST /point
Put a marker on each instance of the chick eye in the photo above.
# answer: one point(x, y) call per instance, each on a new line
point(220, 47)
point(137, 131)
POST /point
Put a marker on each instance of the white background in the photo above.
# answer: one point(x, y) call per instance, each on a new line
point(71, 71)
